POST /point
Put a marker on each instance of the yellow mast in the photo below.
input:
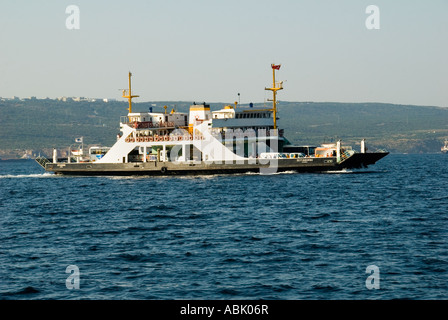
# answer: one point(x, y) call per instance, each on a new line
point(274, 89)
point(128, 95)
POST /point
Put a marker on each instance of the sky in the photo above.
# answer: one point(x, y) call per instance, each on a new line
point(211, 50)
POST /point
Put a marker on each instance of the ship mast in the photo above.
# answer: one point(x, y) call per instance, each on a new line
point(275, 87)
point(128, 95)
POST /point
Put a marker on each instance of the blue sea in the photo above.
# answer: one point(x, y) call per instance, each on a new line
point(285, 236)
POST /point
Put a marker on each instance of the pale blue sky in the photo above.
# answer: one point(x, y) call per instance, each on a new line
point(212, 50)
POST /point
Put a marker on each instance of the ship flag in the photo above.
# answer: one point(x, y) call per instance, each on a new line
point(276, 66)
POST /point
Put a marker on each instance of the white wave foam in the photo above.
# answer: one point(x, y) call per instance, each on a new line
point(34, 175)
point(288, 172)
point(339, 171)
point(252, 173)
point(271, 173)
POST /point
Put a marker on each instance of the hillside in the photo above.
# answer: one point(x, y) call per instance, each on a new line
point(39, 125)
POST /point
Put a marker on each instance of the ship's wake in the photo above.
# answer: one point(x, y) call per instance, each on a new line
point(32, 175)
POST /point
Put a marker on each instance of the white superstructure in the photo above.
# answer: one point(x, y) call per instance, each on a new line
point(220, 136)
point(202, 135)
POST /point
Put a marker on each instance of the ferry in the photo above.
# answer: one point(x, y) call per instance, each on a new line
point(204, 141)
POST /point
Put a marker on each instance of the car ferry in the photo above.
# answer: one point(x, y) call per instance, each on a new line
point(205, 141)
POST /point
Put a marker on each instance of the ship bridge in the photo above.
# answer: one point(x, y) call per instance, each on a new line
point(254, 119)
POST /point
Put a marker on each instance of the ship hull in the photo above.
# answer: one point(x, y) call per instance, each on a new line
point(357, 161)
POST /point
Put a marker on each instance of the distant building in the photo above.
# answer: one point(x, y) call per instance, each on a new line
point(109, 100)
point(79, 99)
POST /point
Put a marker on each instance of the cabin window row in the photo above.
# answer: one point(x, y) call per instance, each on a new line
point(252, 115)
